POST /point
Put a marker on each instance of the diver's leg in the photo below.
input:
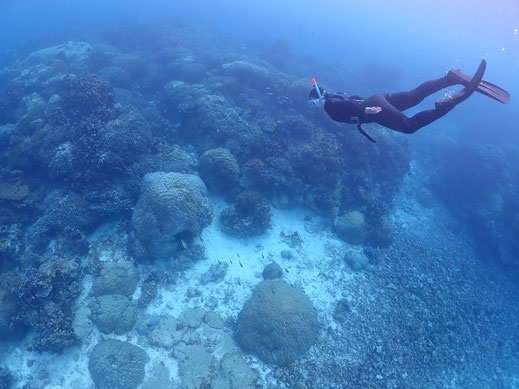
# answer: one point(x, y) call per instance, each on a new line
point(391, 117)
point(401, 123)
point(408, 99)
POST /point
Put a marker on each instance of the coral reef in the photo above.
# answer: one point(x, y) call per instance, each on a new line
point(356, 260)
point(85, 126)
point(86, 94)
point(234, 373)
point(149, 290)
point(6, 378)
point(168, 332)
point(278, 323)
point(248, 72)
point(351, 227)
point(380, 234)
point(116, 278)
point(195, 365)
point(113, 313)
point(272, 271)
point(9, 307)
point(250, 215)
point(66, 215)
point(46, 296)
point(474, 182)
point(114, 364)
point(172, 208)
point(215, 273)
point(219, 170)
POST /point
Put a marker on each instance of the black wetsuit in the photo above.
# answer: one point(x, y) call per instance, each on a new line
point(350, 109)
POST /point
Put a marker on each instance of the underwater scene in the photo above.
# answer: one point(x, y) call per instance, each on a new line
point(259, 194)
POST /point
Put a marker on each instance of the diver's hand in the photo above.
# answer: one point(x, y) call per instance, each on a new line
point(372, 110)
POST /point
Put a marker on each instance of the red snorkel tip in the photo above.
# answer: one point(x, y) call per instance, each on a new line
point(313, 81)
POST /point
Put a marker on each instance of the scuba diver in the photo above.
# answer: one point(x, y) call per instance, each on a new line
point(386, 109)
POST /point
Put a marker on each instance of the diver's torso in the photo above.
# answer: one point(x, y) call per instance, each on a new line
point(346, 109)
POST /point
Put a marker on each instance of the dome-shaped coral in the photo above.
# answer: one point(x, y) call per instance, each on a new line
point(351, 227)
point(117, 365)
point(278, 323)
point(172, 207)
point(116, 278)
point(113, 313)
point(219, 170)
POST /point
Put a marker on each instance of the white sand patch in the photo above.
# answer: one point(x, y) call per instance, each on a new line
point(315, 266)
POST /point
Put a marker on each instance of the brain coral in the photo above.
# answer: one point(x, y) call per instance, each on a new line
point(219, 169)
point(113, 313)
point(173, 206)
point(116, 278)
point(278, 323)
point(114, 364)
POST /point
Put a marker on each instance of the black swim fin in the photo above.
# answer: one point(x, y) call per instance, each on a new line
point(450, 102)
point(484, 87)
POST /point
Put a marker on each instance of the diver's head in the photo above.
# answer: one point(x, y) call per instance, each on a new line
point(313, 99)
point(313, 93)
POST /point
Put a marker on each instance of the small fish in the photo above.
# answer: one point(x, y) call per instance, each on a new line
point(230, 260)
point(240, 263)
point(200, 236)
point(286, 270)
point(262, 256)
point(249, 110)
point(183, 244)
point(267, 87)
point(239, 282)
point(219, 262)
point(270, 93)
point(238, 255)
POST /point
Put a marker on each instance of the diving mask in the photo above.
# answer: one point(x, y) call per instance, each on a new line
point(314, 103)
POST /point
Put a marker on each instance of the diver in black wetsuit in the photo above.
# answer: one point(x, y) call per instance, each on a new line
point(386, 109)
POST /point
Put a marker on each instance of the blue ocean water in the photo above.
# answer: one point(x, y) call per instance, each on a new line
point(173, 214)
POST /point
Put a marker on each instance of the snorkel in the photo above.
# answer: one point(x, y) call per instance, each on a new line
point(318, 91)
